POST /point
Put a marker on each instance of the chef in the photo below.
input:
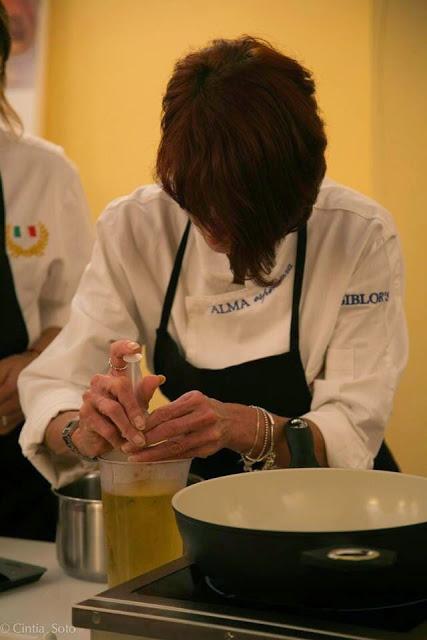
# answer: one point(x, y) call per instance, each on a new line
point(261, 290)
point(45, 243)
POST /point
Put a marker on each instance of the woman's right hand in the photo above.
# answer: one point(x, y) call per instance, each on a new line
point(111, 413)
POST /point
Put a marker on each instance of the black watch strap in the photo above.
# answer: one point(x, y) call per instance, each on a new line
point(67, 433)
point(301, 445)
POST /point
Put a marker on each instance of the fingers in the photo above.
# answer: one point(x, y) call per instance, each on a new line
point(10, 368)
point(182, 406)
point(95, 436)
point(121, 390)
point(100, 426)
point(7, 389)
point(9, 422)
point(196, 444)
point(114, 412)
point(4, 369)
point(173, 425)
point(10, 404)
point(114, 398)
point(111, 414)
point(121, 348)
point(202, 418)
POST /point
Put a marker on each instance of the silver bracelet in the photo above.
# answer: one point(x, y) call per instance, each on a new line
point(246, 458)
point(251, 450)
point(267, 454)
point(270, 459)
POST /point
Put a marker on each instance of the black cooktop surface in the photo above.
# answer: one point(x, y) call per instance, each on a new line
point(177, 601)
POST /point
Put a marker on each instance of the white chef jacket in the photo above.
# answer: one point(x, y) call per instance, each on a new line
point(49, 235)
point(353, 338)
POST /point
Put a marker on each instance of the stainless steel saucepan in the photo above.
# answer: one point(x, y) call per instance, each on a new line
point(80, 542)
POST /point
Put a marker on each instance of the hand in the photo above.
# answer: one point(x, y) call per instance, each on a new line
point(111, 413)
point(10, 408)
point(195, 426)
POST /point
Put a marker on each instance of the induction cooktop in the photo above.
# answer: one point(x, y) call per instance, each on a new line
point(177, 602)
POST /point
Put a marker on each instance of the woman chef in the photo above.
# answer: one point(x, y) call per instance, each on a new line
point(261, 290)
point(45, 242)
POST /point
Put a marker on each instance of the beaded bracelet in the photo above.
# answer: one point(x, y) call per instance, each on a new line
point(270, 459)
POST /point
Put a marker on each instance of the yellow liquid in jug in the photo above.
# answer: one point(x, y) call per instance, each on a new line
point(141, 533)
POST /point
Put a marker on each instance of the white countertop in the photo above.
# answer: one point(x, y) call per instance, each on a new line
point(33, 610)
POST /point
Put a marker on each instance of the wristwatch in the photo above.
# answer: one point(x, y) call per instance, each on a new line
point(67, 432)
point(298, 423)
point(301, 445)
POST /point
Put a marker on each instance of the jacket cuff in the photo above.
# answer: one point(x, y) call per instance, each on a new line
point(344, 447)
point(58, 470)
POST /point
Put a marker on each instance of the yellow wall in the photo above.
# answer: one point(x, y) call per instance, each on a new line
point(110, 60)
point(399, 179)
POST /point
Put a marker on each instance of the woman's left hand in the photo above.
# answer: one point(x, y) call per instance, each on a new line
point(195, 426)
point(10, 407)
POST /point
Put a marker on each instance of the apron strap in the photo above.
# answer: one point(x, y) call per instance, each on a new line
point(171, 290)
point(13, 331)
point(296, 296)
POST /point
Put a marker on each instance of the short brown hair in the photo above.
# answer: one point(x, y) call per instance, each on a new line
point(7, 115)
point(242, 147)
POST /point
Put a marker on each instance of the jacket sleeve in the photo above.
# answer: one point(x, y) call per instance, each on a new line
point(74, 234)
point(102, 311)
point(368, 350)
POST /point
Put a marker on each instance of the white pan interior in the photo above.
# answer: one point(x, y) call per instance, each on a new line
point(313, 500)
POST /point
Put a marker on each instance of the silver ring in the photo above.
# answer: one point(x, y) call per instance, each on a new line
point(4, 421)
point(116, 368)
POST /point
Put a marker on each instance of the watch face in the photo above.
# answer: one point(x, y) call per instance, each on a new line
point(297, 423)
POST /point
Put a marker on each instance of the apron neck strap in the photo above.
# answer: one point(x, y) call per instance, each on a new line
point(170, 293)
point(296, 296)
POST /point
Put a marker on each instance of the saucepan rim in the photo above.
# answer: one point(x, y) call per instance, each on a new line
point(62, 496)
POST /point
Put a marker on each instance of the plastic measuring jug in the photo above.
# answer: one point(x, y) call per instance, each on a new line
point(139, 523)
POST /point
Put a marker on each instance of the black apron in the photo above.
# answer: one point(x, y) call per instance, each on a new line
point(276, 383)
point(28, 508)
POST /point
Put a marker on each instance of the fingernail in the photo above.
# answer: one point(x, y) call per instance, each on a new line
point(133, 459)
point(138, 439)
point(162, 379)
point(139, 423)
point(133, 345)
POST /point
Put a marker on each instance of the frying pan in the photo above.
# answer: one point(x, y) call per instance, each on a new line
point(309, 534)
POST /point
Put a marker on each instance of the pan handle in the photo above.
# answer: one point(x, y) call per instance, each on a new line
point(300, 442)
point(350, 559)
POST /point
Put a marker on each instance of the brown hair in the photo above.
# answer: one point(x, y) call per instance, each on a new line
point(242, 147)
point(7, 115)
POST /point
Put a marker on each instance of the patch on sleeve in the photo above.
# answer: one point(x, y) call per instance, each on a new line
point(26, 241)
